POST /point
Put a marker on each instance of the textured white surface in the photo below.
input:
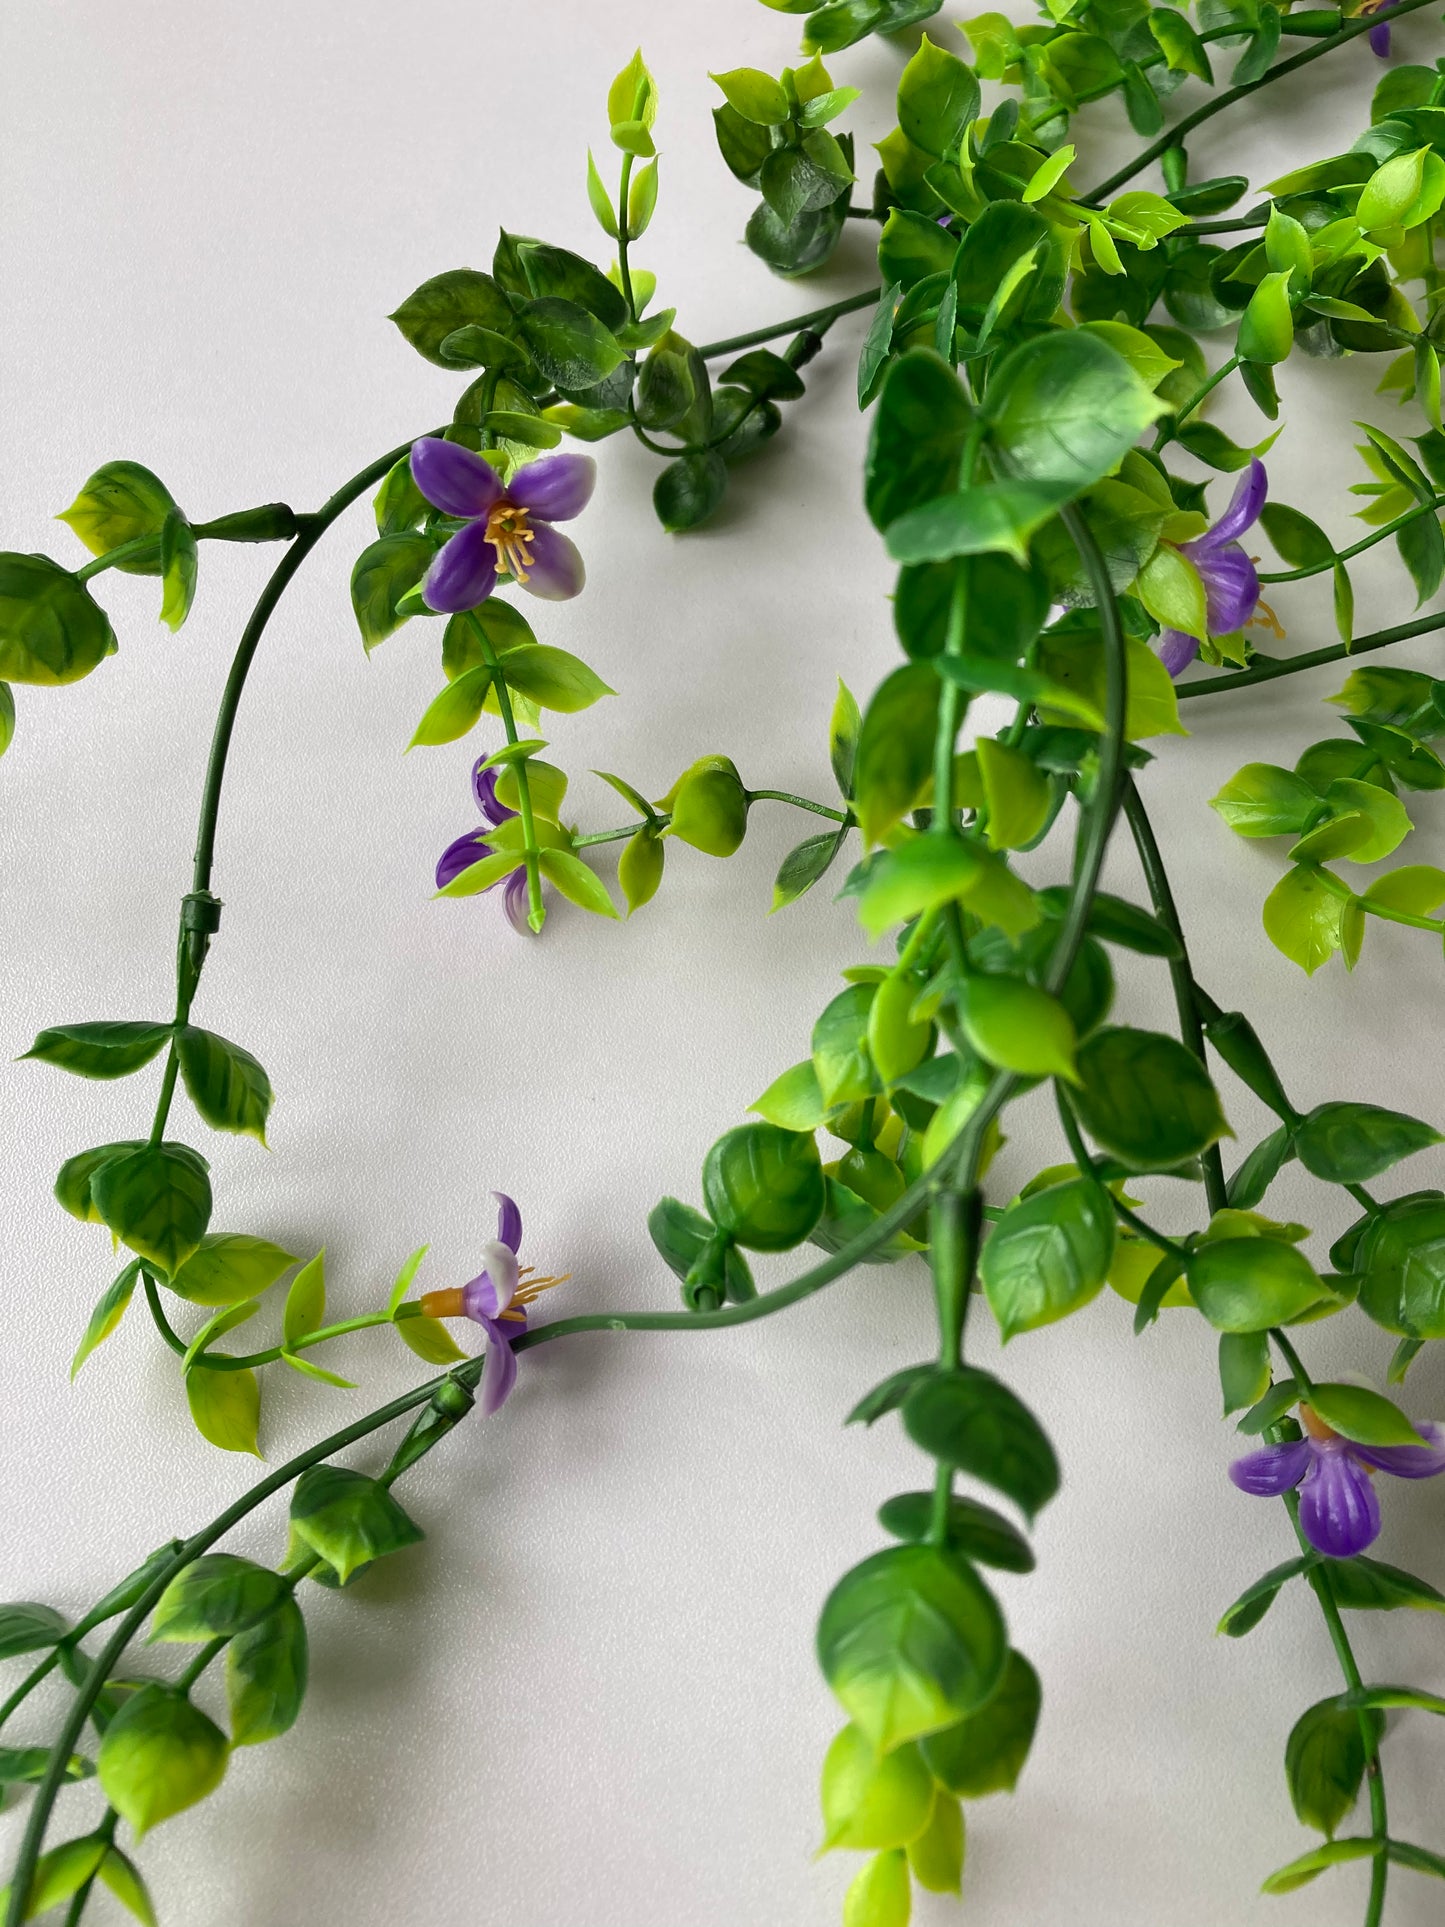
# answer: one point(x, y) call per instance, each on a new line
point(589, 1699)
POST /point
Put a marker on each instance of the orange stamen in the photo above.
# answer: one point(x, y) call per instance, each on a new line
point(511, 534)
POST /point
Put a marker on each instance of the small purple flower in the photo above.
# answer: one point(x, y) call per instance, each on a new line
point(1231, 587)
point(1339, 1512)
point(507, 527)
point(1379, 34)
point(473, 846)
point(497, 1300)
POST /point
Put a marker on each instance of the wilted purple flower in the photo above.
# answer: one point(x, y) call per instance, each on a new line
point(1231, 587)
point(507, 527)
point(473, 846)
point(1339, 1512)
point(497, 1300)
point(1379, 34)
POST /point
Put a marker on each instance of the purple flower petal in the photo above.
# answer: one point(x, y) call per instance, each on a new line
point(1244, 507)
point(1338, 1511)
point(509, 1221)
point(1177, 651)
point(555, 488)
point(556, 573)
point(464, 572)
point(499, 1374)
point(1273, 1469)
point(1379, 35)
point(1231, 588)
point(452, 478)
point(461, 855)
point(484, 788)
point(515, 902)
point(1408, 1461)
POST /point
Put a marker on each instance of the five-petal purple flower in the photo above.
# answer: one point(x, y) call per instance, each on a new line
point(472, 847)
point(507, 527)
point(497, 1300)
point(1339, 1512)
point(1231, 586)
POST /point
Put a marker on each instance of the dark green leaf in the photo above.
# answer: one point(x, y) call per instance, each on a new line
point(886, 1398)
point(689, 490)
point(1260, 1169)
point(1324, 1762)
point(266, 1669)
point(985, 1752)
point(385, 573)
point(917, 436)
point(156, 1200)
point(1146, 1098)
point(1350, 1143)
point(895, 748)
point(347, 1519)
point(217, 1593)
point(1255, 1601)
point(569, 345)
point(1065, 408)
point(971, 1420)
point(226, 1084)
point(1048, 1255)
point(50, 629)
point(764, 1186)
point(27, 1628)
point(447, 302)
point(974, 1529)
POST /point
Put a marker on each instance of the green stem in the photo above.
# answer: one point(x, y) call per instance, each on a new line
point(1175, 135)
point(1322, 1586)
point(27, 1685)
point(1267, 668)
point(138, 545)
point(1181, 976)
point(105, 1831)
point(624, 238)
point(536, 915)
point(814, 319)
point(1292, 1358)
point(663, 817)
point(1373, 909)
point(798, 803)
point(1174, 423)
point(1358, 548)
point(1084, 1159)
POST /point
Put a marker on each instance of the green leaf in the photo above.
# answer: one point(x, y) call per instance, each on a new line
point(974, 1529)
point(456, 299)
point(1388, 1698)
point(1172, 590)
point(552, 678)
point(385, 573)
point(886, 1397)
point(1077, 661)
point(1351, 1143)
point(873, 1800)
point(156, 1200)
point(971, 1420)
point(1334, 1854)
point(1255, 1601)
point(1181, 46)
point(920, 875)
point(1416, 887)
point(1065, 408)
point(689, 489)
point(1146, 1098)
point(1304, 915)
point(50, 629)
point(159, 1755)
point(985, 1753)
point(917, 437)
point(61, 1872)
point(570, 346)
point(558, 274)
point(709, 806)
point(1243, 1369)
point(1262, 800)
point(1324, 1762)
point(1018, 1027)
point(632, 97)
point(28, 1765)
point(1417, 1859)
point(1368, 1585)
point(1250, 1284)
point(226, 1084)
point(895, 748)
point(576, 882)
point(1400, 1256)
point(991, 516)
point(180, 565)
point(935, 1856)
point(217, 1593)
point(642, 201)
point(405, 1278)
point(1048, 1255)
point(429, 1339)
point(938, 96)
point(640, 867)
point(119, 503)
point(7, 717)
point(123, 1878)
point(913, 247)
point(1362, 1415)
point(102, 1050)
point(764, 1186)
point(227, 1267)
point(1300, 542)
point(910, 1641)
point(226, 1408)
point(107, 1314)
point(1115, 920)
point(348, 1520)
point(841, 1057)
point(794, 1101)
point(766, 376)
point(600, 199)
point(804, 865)
point(27, 1628)
point(879, 1895)
point(456, 711)
point(266, 1668)
point(1266, 328)
point(305, 1302)
point(754, 95)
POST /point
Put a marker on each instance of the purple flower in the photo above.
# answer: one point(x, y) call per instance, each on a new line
point(1338, 1510)
point(1379, 34)
point(507, 528)
point(1231, 587)
point(497, 1300)
point(473, 846)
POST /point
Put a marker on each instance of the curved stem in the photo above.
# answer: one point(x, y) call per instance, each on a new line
point(1084, 1159)
point(31, 1680)
point(798, 803)
point(624, 238)
point(1358, 548)
point(1176, 134)
point(1267, 668)
point(1171, 427)
point(1181, 977)
point(815, 318)
point(1384, 910)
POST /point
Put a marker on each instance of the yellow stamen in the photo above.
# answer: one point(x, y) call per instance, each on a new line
point(1265, 618)
point(511, 534)
point(534, 1288)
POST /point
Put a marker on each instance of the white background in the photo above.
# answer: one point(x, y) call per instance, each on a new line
point(589, 1700)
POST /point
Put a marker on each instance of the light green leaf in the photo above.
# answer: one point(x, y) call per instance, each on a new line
point(305, 1301)
point(226, 1407)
